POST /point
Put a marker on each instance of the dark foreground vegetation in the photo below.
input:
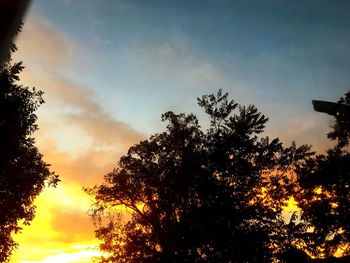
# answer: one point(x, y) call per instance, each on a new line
point(188, 195)
point(23, 173)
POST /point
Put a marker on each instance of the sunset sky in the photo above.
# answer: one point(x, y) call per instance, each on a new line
point(110, 68)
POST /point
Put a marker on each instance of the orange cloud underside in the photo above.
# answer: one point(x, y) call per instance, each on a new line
point(60, 232)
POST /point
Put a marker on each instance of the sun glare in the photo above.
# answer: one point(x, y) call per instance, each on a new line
point(290, 208)
point(61, 231)
point(79, 254)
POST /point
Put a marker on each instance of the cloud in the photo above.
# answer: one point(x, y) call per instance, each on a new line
point(61, 226)
point(71, 94)
point(72, 226)
point(172, 58)
point(48, 53)
point(41, 45)
point(303, 129)
point(84, 112)
point(91, 117)
point(85, 169)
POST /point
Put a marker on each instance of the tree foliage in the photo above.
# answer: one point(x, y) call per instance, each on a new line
point(188, 195)
point(341, 128)
point(23, 173)
point(324, 195)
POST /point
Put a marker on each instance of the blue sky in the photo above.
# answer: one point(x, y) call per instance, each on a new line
point(145, 57)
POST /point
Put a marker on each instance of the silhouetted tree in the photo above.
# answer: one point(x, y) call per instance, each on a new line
point(23, 173)
point(185, 195)
point(341, 128)
point(324, 195)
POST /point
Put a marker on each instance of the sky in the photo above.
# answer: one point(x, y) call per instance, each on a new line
point(109, 69)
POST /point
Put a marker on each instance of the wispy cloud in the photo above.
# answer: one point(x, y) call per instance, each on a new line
point(72, 226)
point(42, 46)
point(304, 129)
point(170, 58)
point(77, 102)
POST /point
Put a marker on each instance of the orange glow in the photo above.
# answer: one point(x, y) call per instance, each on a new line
point(318, 190)
point(61, 231)
point(74, 254)
point(290, 208)
point(292, 205)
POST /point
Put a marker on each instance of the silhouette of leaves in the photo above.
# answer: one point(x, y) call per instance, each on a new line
point(23, 173)
point(199, 196)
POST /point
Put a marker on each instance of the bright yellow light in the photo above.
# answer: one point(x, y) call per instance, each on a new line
point(292, 205)
point(318, 190)
point(290, 208)
point(80, 254)
point(61, 231)
point(334, 205)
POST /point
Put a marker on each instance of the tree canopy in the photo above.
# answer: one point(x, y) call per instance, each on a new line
point(23, 173)
point(188, 195)
point(323, 194)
